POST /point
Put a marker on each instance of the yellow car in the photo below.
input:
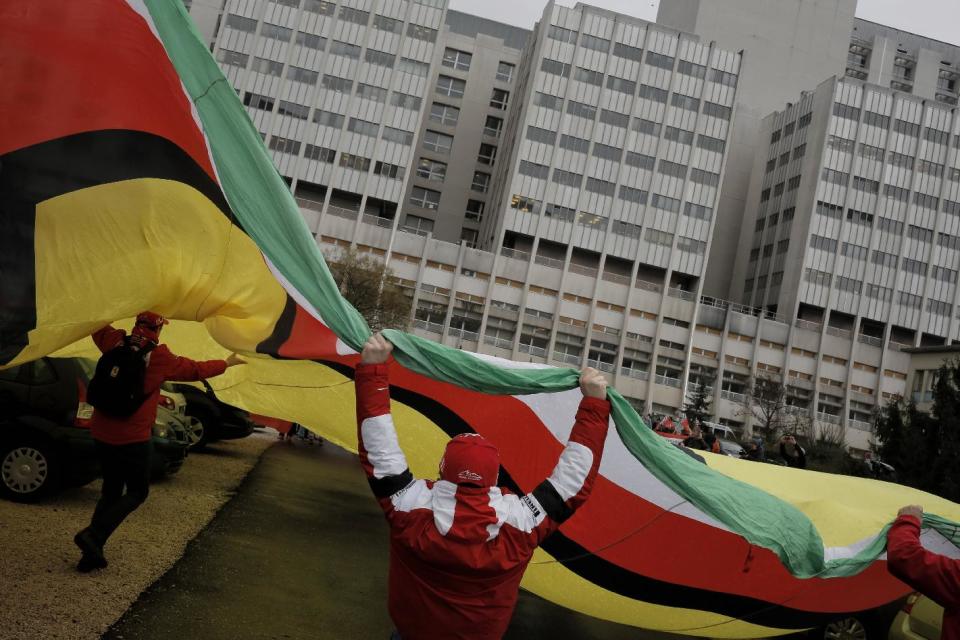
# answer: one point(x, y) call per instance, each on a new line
point(920, 619)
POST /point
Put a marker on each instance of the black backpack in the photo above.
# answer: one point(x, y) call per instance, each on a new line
point(117, 385)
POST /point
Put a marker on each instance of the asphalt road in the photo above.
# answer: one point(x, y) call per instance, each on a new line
point(301, 552)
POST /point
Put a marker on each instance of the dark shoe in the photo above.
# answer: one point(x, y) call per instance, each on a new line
point(90, 547)
point(89, 563)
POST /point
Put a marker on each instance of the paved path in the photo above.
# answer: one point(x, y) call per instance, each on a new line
point(301, 552)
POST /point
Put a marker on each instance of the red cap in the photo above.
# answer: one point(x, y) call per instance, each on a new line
point(470, 459)
point(148, 325)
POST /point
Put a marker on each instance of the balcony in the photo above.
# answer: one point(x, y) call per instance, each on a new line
point(532, 350)
point(432, 327)
point(386, 223)
point(667, 381)
point(341, 212)
point(839, 333)
point(899, 346)
point(859, 425)
point(648, 286)
point(616, 277)
point(807, 324)
point(553, 263)
point(416, 230)
point(794, 410)
point(870, 340)
point(733, 396)
point(566, 358)
point(634, 373)
point(500, 343)
point(683, 294)
point(601, 365)
point(590, 272)
point(513, 253)
point(463, 334)
point(829, 418)
point(307, 203)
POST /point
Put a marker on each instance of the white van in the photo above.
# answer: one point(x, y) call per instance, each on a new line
point(719, 430)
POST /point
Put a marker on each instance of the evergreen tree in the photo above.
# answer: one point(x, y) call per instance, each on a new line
point(700, 399)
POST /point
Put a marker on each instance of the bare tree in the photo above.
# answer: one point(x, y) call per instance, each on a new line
point(367, 283)
point(766, 402)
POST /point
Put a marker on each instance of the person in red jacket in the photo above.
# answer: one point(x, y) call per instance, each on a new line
point(459, 545)
point(123, 444)
point(933, 575)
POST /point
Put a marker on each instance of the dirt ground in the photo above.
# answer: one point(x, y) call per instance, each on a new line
point(41, 593)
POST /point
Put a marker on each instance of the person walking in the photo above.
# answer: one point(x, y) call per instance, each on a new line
point(123, 442)
point(459, 545)
point(933, 575)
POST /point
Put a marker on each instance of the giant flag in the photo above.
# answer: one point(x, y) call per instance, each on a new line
point(131, 178)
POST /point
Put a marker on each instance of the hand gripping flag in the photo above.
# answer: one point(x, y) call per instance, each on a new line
point(132, 178)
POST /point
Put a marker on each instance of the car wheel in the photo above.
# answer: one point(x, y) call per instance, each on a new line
point(196, 433)
point(29, 470)
point(845, 629)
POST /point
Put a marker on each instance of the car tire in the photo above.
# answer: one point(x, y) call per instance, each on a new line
point(209, 429)
point(850, 628)
point(29, 468)
point(198, 435)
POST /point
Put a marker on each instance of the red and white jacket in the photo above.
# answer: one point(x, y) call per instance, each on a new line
point(458, 552)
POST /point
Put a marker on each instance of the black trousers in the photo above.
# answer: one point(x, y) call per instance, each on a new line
point(124, 466)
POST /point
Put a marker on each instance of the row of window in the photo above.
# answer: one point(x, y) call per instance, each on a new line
point(346, 14)
point(897, 159)
point(455, 88)
point(881, 121)
point(325, 155)
point(461, 60)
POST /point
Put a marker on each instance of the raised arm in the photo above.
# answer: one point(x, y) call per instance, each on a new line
point(540, 513)
point(107, 338)
point(380, 454)
point(933, 575)
point(181, 369)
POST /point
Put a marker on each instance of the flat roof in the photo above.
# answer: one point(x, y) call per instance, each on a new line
point(938, 348)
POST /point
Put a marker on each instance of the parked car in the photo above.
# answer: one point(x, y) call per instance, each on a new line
point(212, 419)
point(920, 619)
point(871, 624)
point(731, 448)
point(45, 441)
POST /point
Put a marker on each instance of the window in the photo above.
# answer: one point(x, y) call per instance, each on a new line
point(560, 213)
point(595, 43)
point(691, 245)
point(607, 152)
point(421, 32)
point(588, 76)
point(397, 135)
point(653, 236)
point(256, 101)
point(685, 102)
point(419, 225)
point(705, 177)
point(622, 85)
point(667, 204)
point(544, 136)
point(567, 178)
point(580, 109)
point(900, 160)
point(452, 87)
point(920, 233)
point(930, 168)
point(345, 49)
point(363, 127)
point(370, 92)
point(481, 181)
point(897, 193)
point(948, 241)
point(880, 293)
point(628, 52)
point(383, 23)
point(268, 67)
point(525, 204)
point(431, 170)
point(863, 184)
point(548, 65)
point(534, 170)
point(836, 177)
point(824, 244)
point(716, 144)
point(437, 142)
point(817, 277)
point(459, 60)
point(884, 259)
point(846, 111)
point(672, 169)
point(275, 32)
point(240, 23)
point(405, 101)
point(573, 143)
point(298, 111)
point(426, 198)
point(284, 145)
point(413, 67)
point(944, 274)
point(546, 100)
point(697, 211)
point(626, 229)
point(561, 34)
point(906, 128)
point(351, 161)
point(354, 15)
point(647, 126)
point(869, 151)
point(499, 99)
point(474, 210)
point(938, 307)
point(380, 58)
point(388, 170)
point(328, 119)
point(602, 187)
point(505, 72)
point(334, 83)
point(717, 110)
point(311, 41)
point(855, 251)
point(890, 226)
point(631, 194)
point(799, 151)
point(925, 200)
point(951, 207)
point(232, 58)
point(839, 143)
point(488, 153)
point(914, 266)
point(320, 154)
point(678, 135)
point(860, 217)
point(493, 126)
point(444, 114)
point(591, 220)
point(722, 77)
point(660, 60)
point(653, 93)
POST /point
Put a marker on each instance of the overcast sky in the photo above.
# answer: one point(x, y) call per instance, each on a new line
point(938, 19)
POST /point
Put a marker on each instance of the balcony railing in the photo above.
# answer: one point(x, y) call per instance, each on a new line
point(860, 425)
point(307, 203)
point(568, 358)
point(532, 350)
point(432, 327)
point(590, 272)
point(667, 381)
point(416, 230)
point(899, 346)
point(616, 277)
point(795, 410)
point(472, 336)
point(840, 333)
point(536, 313)
point(513, 253)
point(609, 367)
point(733, 396)
point(683, 294)
point(648, 286)
point(342, 212)
point(501, 343)
point(377, 220)
point(870, 340)
point(635, 373)
point(553, 263)
point(807, 324)
point(639, 337)
point(828, 418)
